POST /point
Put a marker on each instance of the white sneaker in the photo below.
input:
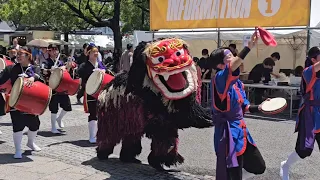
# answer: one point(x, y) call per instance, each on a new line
point(284, 171)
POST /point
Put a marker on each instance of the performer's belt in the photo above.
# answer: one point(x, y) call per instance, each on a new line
point(224, 161)
point(306, 126)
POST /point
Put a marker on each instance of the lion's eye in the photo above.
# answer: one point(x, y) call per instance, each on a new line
point(180, 52)
point(157, 60)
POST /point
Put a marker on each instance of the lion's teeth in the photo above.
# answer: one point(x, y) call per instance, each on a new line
point(166, 76)
point(153, 74)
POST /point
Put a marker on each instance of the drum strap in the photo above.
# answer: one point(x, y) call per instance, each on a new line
point(307, 136)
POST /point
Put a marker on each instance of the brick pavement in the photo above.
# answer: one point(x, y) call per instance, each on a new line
point(68, 160)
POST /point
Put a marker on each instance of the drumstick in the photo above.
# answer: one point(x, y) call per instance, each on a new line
point(57, 60)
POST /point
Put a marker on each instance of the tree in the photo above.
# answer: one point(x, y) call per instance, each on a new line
point(135, 15)
point(40, 12)
point(99, 13)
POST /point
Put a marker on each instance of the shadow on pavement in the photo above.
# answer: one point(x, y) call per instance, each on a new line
point(120, 170)
point(274, 173)
point(50, 134)
point(5, 124)
point(260, 116)
point(80, 143)
point(1, 142)
point(8, 159)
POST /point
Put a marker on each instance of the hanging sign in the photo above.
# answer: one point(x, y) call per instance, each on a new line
point(190, 14)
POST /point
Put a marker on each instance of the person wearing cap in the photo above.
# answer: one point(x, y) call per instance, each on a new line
point(90, 103)
point(20, 120)
point(57, 99)
point(126, 58)
point(237, 154)
point(308, 118)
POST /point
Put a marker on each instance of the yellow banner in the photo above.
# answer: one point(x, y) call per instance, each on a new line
point(191, 14)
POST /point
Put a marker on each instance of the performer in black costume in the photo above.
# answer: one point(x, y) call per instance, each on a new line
point(84, 72)
point(20, 120)
point(57, 99)
point(3, 105)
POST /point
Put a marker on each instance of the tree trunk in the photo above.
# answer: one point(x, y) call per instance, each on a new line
point(66, 39)
point(117, 37)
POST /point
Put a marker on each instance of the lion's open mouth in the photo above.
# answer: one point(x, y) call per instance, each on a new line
point(176, 84)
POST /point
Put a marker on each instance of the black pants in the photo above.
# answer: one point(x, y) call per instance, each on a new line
point(258, 94)
point(80, 92)
point(92, 108)
point(303, 153)
point(21, 120)
point(2, 106)
point(251, 161)
point(59, 99)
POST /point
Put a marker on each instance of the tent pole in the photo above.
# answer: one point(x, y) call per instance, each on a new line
point(308, 31)
point(219, 38)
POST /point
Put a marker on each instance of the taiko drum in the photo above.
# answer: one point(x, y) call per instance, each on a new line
point(32, 100)
point(6, 87)
point(61, 81)
point(96, 82)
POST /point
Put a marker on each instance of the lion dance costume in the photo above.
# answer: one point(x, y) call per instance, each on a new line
point(157, 97)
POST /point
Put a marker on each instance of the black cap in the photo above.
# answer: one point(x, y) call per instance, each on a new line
point(52, 46)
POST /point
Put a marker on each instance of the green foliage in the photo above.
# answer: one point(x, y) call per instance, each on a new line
point(53, 13)
point(131, 15)
point(61, 17)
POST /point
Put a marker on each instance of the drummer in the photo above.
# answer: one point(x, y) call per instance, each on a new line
point(84, 72)
point(20, 120)
point(308, 119)
point(229, 104)
point(57, 99)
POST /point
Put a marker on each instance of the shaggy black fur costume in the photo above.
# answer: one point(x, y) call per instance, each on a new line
point(131, 106)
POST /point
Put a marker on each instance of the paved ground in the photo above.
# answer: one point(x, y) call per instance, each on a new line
point(70, 156)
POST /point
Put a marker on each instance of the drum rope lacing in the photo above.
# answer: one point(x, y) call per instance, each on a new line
point(24, 73)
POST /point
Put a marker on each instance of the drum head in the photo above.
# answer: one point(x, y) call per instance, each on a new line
point(2, 64)
point(55, 78)
point(275, 105)
point(16, 91)
point(94, 82)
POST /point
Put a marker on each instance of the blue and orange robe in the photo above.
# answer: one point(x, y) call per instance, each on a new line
point(308, 119)
point(231, 135)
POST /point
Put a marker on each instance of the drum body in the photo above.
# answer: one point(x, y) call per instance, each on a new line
point(6, 87)
point(61, 81)
point(97, 82)
point(32, 100)
point(4, 63)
